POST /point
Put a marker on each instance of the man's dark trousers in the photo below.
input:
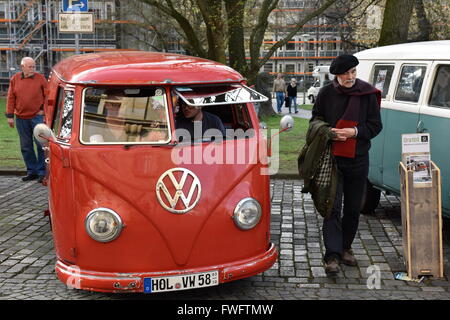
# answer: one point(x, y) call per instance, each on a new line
point(339, 232)
point(35, 163)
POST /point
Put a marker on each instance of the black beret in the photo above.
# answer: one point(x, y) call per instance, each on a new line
point(343, 63)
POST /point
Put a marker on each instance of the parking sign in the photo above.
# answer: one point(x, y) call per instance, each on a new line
point(75, 5)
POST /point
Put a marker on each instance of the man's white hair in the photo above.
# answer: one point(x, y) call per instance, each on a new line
point(24, 59)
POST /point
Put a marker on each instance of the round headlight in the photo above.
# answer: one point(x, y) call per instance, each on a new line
point(247, 214)
point(103, 224)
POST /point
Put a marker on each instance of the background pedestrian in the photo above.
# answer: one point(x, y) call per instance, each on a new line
point(26, 97)
point(292, 94)
point(279, 88)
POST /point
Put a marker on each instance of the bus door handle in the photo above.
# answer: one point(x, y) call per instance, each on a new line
point(420, 127)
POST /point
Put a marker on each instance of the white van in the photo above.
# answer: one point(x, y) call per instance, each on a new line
point(322, 76)
point(415, 82)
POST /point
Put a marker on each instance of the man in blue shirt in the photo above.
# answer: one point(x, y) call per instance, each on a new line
point(197, 124)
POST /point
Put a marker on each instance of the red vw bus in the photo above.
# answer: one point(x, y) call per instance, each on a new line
point(135, 208)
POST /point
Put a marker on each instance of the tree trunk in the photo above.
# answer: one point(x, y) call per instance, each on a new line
point(236, 49)
point(262, 86)
point(215, 30)
point(396, 18)
point(422, 21)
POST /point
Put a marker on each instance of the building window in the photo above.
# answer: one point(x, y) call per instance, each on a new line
point(268, 67)
point(4, 33)
point(109, 12)
point(290, 68)
point(290, 46)
point(3, 59)
point(2, 10)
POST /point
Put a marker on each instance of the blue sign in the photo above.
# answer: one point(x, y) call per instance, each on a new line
point(75, 5)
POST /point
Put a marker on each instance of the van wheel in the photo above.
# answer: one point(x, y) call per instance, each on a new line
point(311, 98)
point(372, 199)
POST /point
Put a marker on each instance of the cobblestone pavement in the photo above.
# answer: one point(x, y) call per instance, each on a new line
point(27, 258)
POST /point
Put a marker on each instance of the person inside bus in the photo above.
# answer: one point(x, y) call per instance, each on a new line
point(194, 124)
point(116, 129)
point(113, 129)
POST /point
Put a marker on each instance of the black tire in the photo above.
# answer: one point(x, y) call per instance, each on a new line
point(311, 98)
point(372, 199)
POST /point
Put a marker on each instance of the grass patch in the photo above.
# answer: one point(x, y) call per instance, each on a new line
point(306, 106)
point(290, 142)
point(10, 156)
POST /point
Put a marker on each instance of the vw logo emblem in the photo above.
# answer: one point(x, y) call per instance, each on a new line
point(178, 190)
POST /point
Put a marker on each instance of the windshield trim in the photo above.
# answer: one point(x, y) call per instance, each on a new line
point(126, 143)
point(188, 101)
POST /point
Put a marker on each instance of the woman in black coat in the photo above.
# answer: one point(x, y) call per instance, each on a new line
point(292, 95)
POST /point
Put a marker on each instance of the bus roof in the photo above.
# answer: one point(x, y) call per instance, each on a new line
point(140, 67)
point(426, 50)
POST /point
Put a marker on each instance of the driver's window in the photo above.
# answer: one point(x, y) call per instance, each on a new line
point(124, 115)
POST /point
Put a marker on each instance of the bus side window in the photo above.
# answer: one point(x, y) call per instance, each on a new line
point(381, 79)
point(440, 95)
point(66, 117)
point(410, 84)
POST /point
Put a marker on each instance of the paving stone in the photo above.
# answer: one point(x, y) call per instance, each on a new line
point(27, 255)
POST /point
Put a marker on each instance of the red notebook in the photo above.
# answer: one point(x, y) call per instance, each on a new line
point(345, 148)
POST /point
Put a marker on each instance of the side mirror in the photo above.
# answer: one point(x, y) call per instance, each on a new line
point(43, 133)
point(286, 123)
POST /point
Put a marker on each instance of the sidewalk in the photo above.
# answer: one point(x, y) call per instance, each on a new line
point(302, 113)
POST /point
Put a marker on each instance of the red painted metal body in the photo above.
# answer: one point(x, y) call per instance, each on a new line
point(153, 242)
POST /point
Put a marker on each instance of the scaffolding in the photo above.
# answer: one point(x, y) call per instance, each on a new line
point(318, 42)
point(30, 28)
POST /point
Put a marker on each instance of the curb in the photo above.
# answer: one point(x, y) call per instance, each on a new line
point(12, 172)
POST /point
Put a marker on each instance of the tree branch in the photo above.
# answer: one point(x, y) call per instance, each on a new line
point(185, 25)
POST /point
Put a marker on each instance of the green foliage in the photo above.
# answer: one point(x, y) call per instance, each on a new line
point(10, 157)
point(290, 142)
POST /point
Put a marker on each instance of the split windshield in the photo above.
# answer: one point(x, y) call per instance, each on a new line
point(125, 115)
point(141, 115)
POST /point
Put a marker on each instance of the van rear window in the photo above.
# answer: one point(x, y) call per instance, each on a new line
point(440, 95)
point(124, 115)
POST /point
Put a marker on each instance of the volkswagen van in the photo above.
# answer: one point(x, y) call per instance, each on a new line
point(133, 208)
point(415, 82)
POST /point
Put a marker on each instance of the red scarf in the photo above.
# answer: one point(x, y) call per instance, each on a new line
point(351, 115)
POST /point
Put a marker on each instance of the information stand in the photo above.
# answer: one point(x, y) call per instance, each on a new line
point(422, 224)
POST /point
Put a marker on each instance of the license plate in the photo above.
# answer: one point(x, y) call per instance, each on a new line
point(181, 282)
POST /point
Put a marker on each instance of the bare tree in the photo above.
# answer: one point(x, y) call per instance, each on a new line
point(226, 26)
point(424, 29)
point(396, 19)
